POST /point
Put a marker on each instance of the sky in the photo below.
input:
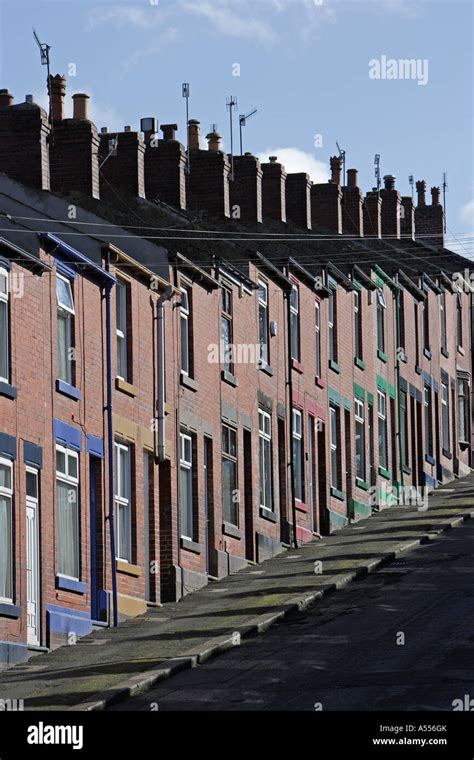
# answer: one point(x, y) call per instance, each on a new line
point(318, 71)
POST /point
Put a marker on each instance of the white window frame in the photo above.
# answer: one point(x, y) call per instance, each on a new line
point(122, 344)
point(445, 422)
point(226, 451)
point(184, 315)
point(295, 322)
point(442, 319)
point(69, 480)
point(123, 500)
point(8, 494)
point(464, 408)
point(381, 308)
point(334, 446)
point(297, 435)
point(359, 416)
point(228, 317)
point(332, 311)
point(263, 306)
point(68, 312)
point(382, 422)
point(428, 415)
point(357, 324)
point(186, 463)
point(4, 299)
point(317, 330)
point(265, 458)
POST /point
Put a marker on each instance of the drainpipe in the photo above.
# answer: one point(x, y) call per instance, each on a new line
point(110, 446)
point(290, 417)
point(160, 444)
point(397, 369)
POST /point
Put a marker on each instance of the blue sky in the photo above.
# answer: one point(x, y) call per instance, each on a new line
point(303, 63)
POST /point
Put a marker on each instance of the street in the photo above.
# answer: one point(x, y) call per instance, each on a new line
point(399, 639)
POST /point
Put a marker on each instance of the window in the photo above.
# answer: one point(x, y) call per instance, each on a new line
point(463, 410)
point(360, 438)
point(186, 498)
point(357, 325)
point(404, 427)
point(416, 319)
point(6, 536)
point(401, 320)
point(230, 494)
point(65, 307)
point(295, 323)
point(123, 503)
point(332, 327)
point(265, 458)
point(426, 325)
point(121, 304)
point(442, 319)
point(381, 307)
point(67, 525)
point(263, 322)
point(185, 314)
point(445, 416)
point(382, 429)
point(335, 446)
point(428, 421)
point(317, 328)
point(4, 329)
point(226, 329)
point(298, 455)
point(459, 336)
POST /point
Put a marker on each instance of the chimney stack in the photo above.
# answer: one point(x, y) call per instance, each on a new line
point(246, 189)
point(407, 220)
point(373, 215)
point(57, 92)
point(124, 169)
point(326, 198)
point(208, 180)
point(429, 220)
point(6, 99)
point(165, 165)
point(298, 199)
point(391, 208)
point(274, 190)
point(352, 206)
point(194, 131)
point(80, 106)
point(24, 145)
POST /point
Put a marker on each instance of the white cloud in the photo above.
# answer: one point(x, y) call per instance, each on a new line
point(121, 16)
point(225, 19)
point(295, 160)
point(466, 213)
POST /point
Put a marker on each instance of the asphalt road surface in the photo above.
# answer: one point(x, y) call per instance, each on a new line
point(400, 639)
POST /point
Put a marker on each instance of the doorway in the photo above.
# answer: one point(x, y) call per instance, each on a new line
point(32, 558)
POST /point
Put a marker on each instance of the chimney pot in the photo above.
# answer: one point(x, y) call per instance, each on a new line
point(336, 166)
point(169, 131)
point(6, 98)
point(273, 159)
point(352, 177)
point(29, 99)
point(214, 140)
point(104, 130)
point(194, 134)
point(80, 106)
point(435, 191)
point(57, 93)
point(389, 181)
point(421, 191)
point(127, 128)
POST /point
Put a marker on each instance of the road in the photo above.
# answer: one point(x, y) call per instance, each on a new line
point(399, 639)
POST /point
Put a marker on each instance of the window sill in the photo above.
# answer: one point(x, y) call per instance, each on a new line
point(68, 390)
point(8, 609)
point(267, 514)
point(297, 366)
point(229, 378)
point(403, 357)
point(447, 454)
point(231, 530)
point(406, 470)
point(128, 388)
point(334, 366)
point(128, 569)
point(320, 383)
point(463, 445)
point(427, 353)
point(461, 351)
point(338, 494)
point(385, 473)
point(264, 367)
point(8, 390)
point(431, 460)
point(445, 353)
point(301, 506)
point(68, 584)
point(189, 382)
point(190, 546)
point(382, 356)
point(359, 362)
point(362, 484)
point(418, 370)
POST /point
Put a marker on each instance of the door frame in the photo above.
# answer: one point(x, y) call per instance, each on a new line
point(34, 504)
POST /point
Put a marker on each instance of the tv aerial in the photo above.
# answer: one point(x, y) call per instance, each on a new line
point(243, 123)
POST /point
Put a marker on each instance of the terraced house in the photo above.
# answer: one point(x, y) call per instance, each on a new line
point(200, 366)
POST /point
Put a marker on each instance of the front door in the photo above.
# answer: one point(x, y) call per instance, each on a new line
point(33, 607)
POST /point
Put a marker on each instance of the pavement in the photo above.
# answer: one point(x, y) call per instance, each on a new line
point(110, 665)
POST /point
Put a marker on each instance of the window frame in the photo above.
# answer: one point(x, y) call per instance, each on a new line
point(228, 456)
point(298, 441)
point(123, 500)
point(442, 320)
point(265, 444)
point(186, 464)
point(185, 322)
point(71, 481)
point(381, 311)
point(334, 447)
point(7, 493)
point(263, 309)
point(382, 425)
point(317, 338)
point(227, 316)
point(295, 322)
point(122, 332)
point(445, 417)
point(68, 315)
point(5, 349)
point(359, 419)
point(358, 349)
point(332, 324)
point(428, 419)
